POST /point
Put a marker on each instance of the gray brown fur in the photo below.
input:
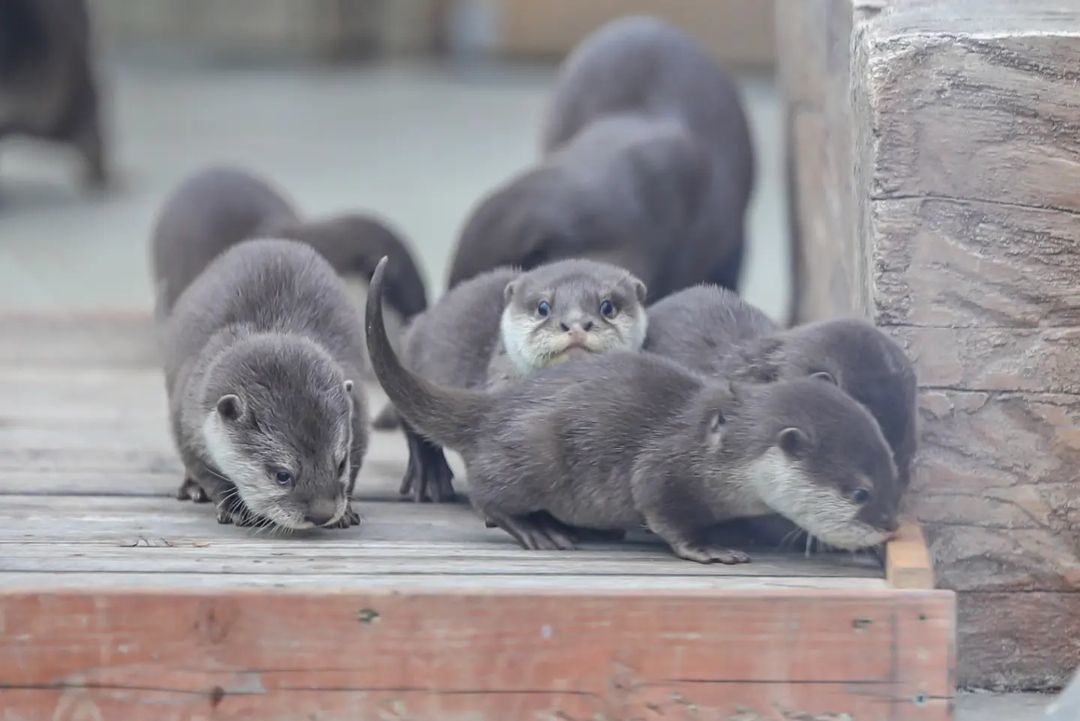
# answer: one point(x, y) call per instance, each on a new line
point(353, 243)
point(648, 165)
point(270, 322)
point(712, 331)
point(460, 341)
point(627, 439)
point(209, 212)
point(48, 89)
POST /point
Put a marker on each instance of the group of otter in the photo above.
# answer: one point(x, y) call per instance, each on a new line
point(591, 360)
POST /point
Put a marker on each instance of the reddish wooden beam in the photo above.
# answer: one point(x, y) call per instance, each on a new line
point(335, 656)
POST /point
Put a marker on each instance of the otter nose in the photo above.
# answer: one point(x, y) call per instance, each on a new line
point(319, 518)
point(584, 326)
point(321, 511)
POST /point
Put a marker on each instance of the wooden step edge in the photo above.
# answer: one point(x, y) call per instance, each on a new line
point(907, 559)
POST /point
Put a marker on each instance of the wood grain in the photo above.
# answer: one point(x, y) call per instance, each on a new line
point(996, 486)
point(907, 560)
point(955, 221)
point(872, 655)
point(941, 262)
point(1015, 91)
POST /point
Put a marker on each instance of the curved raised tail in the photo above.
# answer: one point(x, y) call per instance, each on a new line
point(447, 416)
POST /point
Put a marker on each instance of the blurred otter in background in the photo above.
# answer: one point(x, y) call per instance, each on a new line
point(47, 85)
point(647, 165)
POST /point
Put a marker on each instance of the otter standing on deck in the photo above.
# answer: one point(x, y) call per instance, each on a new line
point(656, 444)
point(648, 165)
point(260, 352)
point(713, 331)
point(504, 325)
point(216, 208)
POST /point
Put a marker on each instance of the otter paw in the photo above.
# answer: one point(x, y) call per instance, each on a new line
point(190, 490)
point(710, 554)
point(348, 519)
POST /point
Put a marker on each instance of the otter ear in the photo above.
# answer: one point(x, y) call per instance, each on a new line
point(640, 291)
point(824, 376)
point(793, 441)
point(715, 433)
point(508, 291)
point(348, 386)
point(230, 407)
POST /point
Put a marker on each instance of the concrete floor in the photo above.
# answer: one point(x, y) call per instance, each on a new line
point(417, 144)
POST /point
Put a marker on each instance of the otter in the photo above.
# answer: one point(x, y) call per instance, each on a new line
point(647, 164)
point(211, 211)
point(216, 208)
point(503, 325)
point(260, 351)
point(712, 331)
point(627, 439)
point(48, 89)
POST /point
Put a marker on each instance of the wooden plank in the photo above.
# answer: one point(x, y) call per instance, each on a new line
point(79, 339)
point(359, 560)
point(116, 534)
point(907, 560)
point(561, 655)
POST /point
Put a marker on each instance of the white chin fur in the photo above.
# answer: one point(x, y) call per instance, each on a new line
point(821, 511)
point(523, 350)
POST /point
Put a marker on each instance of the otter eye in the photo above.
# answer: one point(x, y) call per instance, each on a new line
point(607, 308)
point(341, 467)
point(543, 309)
point(860, 495)
point(283, 477)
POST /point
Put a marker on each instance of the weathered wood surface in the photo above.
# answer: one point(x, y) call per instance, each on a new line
point(907, 560)
point(287, 655)
point(955, 222)
point(118, 601)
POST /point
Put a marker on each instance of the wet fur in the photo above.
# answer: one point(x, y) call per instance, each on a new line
point(669, 449)
point(647, 164)
point(270, 322)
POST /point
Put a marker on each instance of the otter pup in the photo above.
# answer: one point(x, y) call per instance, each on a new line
point(353, 244)
point(209, 212)
point(713, 331)
point(259, 355)
point(47, 84)
point(503, 325)
point(631, 439)
point(218, 207)
point(647, 164)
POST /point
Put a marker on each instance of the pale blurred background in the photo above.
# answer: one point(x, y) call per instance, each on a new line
point(411, 109)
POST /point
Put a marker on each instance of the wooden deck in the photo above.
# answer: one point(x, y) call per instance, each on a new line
point(117, 601)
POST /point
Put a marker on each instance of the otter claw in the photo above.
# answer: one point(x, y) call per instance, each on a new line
point(349, 518)
point(190, 490)
point(710, 554)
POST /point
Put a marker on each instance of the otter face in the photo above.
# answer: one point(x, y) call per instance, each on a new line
point(279, 427)
point(571, 309)
point(825, 465)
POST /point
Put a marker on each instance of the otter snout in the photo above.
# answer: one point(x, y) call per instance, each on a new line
point(321, 511)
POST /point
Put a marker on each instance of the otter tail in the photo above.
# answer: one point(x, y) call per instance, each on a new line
point(447, 416)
